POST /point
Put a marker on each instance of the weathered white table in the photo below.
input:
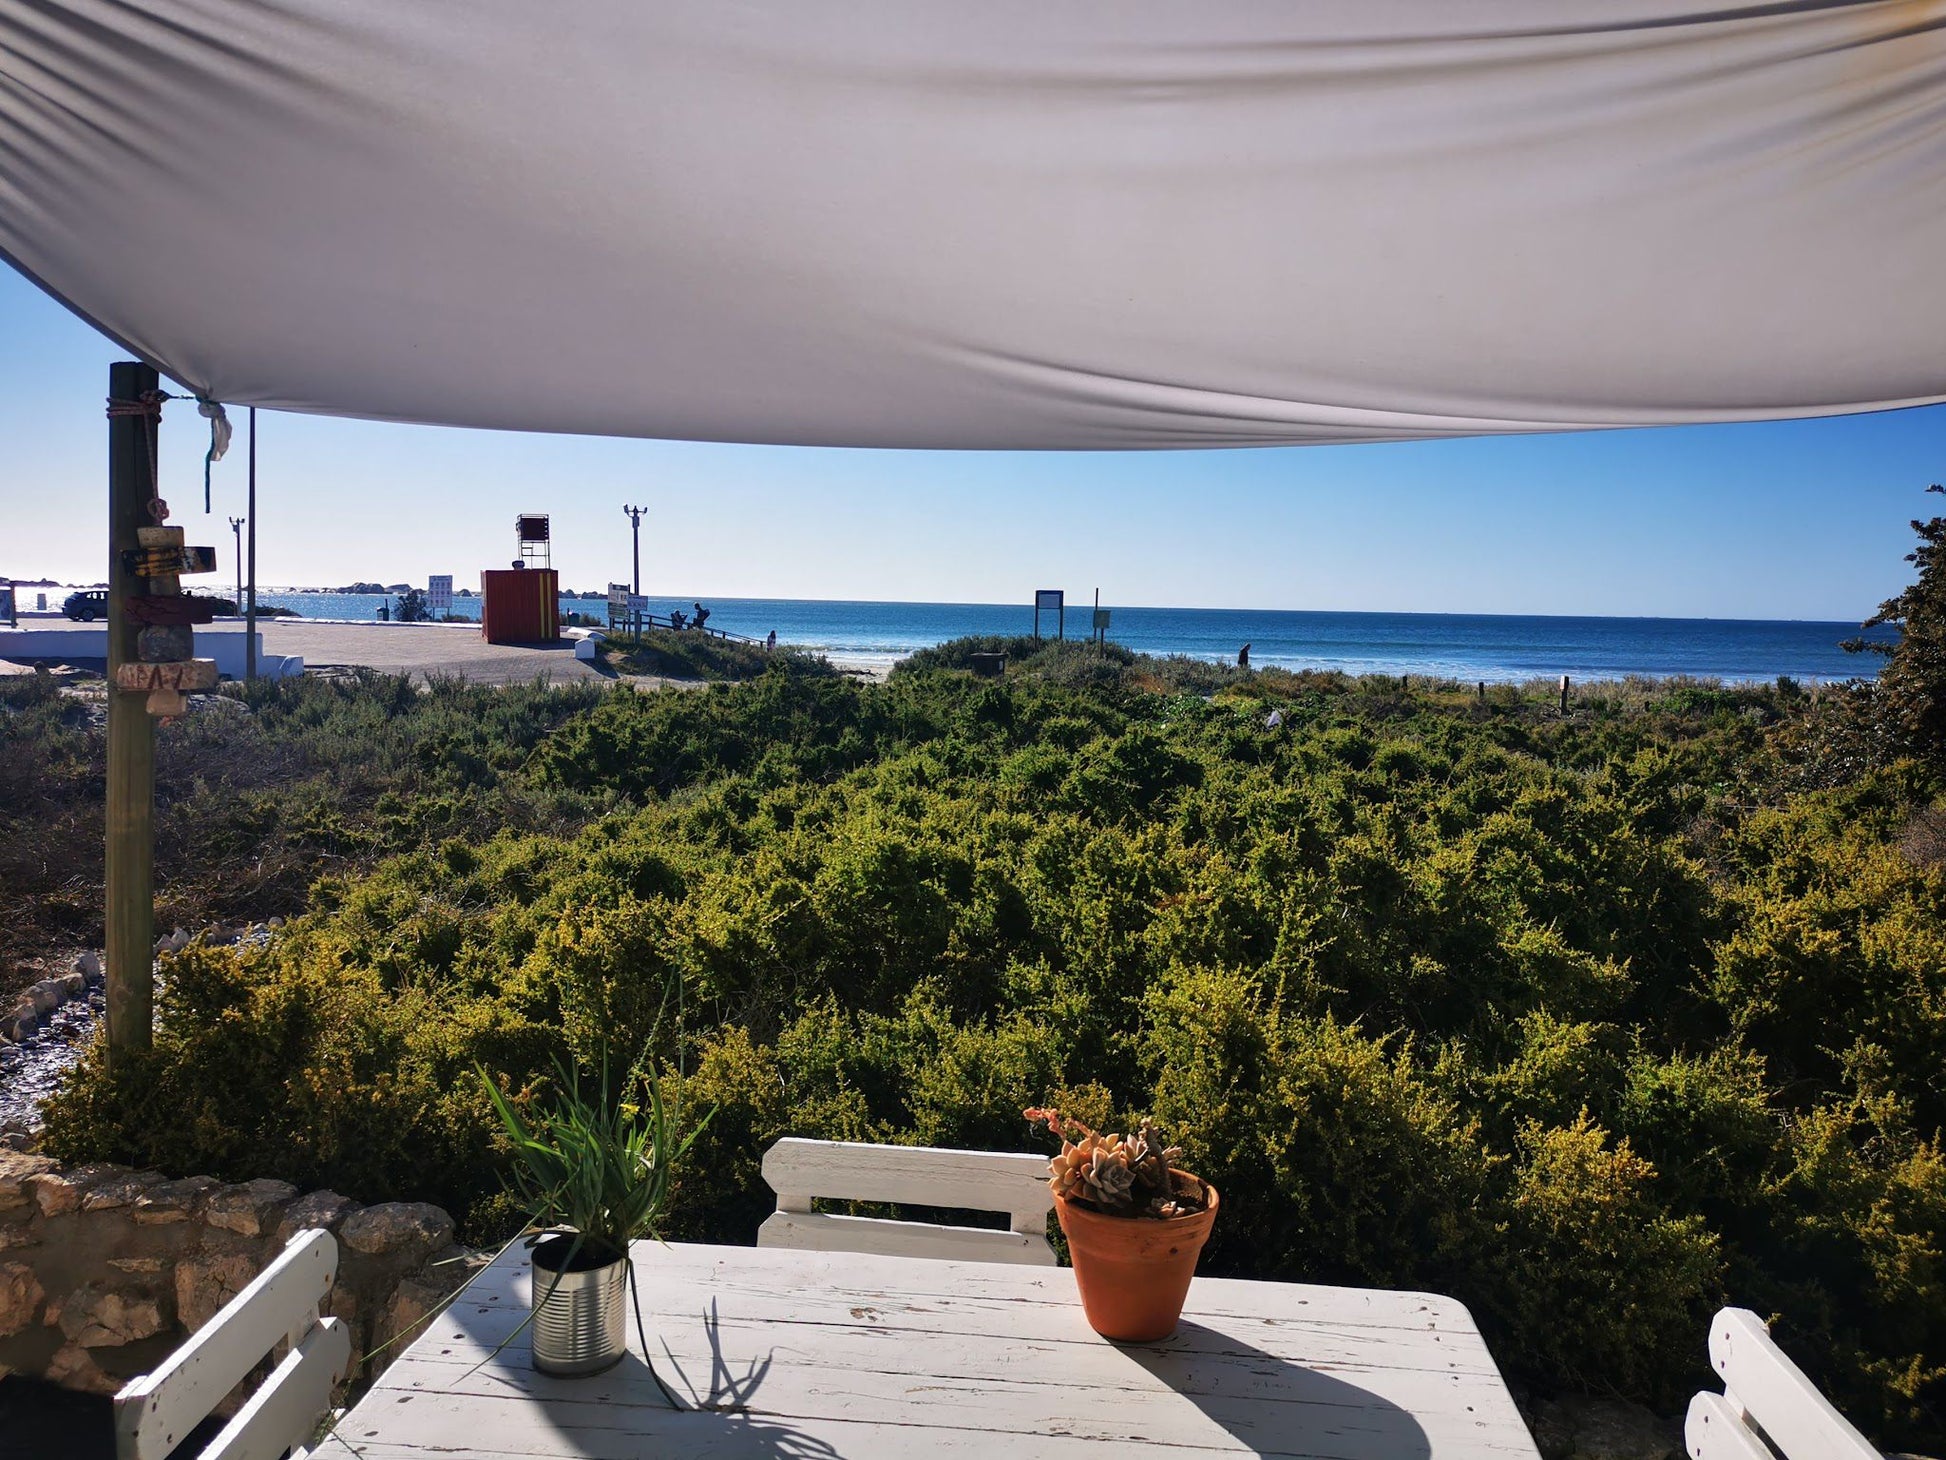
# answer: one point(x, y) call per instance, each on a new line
point(812, 1354)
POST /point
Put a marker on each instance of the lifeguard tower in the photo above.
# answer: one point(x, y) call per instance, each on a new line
point(522, 604)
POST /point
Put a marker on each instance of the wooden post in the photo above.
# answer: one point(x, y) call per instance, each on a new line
point(250, 603)
point(1564, 694)
point(1483, 691)
point(129, 909)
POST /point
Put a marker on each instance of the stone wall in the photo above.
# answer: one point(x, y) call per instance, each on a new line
point(105, 1270)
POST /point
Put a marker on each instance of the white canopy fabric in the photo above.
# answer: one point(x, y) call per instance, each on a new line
point(994, 223)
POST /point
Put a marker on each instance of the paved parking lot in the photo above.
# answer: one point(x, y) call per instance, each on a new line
point(397, 648)
point(425, 649)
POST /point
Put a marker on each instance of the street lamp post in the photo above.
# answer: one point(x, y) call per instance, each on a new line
point(635, 526)
point(236, 529)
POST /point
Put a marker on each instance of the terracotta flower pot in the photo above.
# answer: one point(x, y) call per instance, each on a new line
point(1134, 1272)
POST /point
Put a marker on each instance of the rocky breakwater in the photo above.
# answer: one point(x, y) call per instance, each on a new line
point(105, 1270)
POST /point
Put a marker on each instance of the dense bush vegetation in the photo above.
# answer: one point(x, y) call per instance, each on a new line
point(259, 790)
point(1593, 1022)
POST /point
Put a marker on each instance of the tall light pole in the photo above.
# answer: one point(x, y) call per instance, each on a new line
point(236, 530)
point(635, 526)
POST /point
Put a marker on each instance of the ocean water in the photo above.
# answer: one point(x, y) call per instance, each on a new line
point(1467, 647)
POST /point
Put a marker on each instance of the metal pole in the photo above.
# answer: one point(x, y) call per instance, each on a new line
point(128, 912)
point(250, 604)
point(635, 526)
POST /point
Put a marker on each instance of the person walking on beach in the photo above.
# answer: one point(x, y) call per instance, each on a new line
point(1243, 657)
point(770, 644)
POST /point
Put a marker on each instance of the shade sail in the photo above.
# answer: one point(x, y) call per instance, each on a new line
point(994, 223)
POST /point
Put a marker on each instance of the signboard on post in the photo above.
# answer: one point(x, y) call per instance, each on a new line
point(439, 594)
point(1054, 601)
point(168, 562)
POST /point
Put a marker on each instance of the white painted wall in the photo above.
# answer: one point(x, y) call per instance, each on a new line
point(220, 642)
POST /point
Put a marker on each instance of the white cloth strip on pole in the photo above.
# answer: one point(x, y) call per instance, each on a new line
point(922, 223)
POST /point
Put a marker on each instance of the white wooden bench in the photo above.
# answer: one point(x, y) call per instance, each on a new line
point(155, 1411)
point(1768, 1407)
point(801, 1171)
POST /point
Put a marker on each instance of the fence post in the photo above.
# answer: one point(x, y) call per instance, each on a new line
point(1564, 694)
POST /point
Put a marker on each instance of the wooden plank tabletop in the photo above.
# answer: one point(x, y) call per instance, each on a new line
point(814, 1355)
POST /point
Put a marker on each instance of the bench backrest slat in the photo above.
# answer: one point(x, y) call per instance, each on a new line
point(800, 1171)
point(288, 1406)
point(821, 1232)
point(1714, 1430)
point(154, 1411)
point(1767, 1394)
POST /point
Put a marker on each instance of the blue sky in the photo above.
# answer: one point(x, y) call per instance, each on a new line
point(1793, 520)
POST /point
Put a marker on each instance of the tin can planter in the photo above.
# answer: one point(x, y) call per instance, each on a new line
point(580, 1307)
point(1134, 1272)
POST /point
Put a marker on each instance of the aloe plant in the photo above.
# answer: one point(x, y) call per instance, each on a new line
point(595, 1163)
point(598, 1167)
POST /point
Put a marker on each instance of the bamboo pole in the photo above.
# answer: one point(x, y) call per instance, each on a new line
point(129, 862)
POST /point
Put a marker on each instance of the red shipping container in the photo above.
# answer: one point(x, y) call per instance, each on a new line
point(520, 605)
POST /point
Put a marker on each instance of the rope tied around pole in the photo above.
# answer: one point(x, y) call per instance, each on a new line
point(149, 406)
point(148, 403)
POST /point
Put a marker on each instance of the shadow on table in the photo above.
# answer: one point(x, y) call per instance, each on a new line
point(730, 1395)
point(1276, 1407)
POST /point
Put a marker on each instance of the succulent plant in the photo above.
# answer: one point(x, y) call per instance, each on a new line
point(1124, 1176)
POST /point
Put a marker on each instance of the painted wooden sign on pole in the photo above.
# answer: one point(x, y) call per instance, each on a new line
point(182, 676)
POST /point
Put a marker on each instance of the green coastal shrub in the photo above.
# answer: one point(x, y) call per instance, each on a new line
point(1591, 1251)
point(690, 655)
point(1593, 1023)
